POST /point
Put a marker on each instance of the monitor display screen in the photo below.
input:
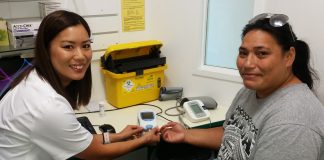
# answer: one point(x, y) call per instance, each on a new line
point(195, 108)
point(147, 115)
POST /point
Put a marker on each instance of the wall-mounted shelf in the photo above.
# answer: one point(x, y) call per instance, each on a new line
point(20, 0)
point(7, 51)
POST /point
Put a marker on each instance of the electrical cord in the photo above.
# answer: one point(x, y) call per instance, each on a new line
point(107, 110)
point(177, 106)
point(158, 114)
point(182, 122)
point(210, 122)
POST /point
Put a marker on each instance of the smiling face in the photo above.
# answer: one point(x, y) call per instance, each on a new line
point(262, 64)
point(71, 53)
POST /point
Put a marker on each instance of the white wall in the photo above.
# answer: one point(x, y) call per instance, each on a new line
point(179, 25)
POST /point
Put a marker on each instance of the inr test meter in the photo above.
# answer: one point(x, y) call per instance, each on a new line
point(194, 111)
point(147, 119)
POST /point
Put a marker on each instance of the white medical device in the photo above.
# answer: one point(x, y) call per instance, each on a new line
point(195, 112)
point(147, 119)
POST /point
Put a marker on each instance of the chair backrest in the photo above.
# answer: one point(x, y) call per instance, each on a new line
point(10, 68)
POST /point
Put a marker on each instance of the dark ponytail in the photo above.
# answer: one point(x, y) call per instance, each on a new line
point(301, 67)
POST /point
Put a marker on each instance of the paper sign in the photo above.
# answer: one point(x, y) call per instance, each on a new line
point(133, 15)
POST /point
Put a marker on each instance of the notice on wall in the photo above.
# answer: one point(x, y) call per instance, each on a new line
point(133, 15)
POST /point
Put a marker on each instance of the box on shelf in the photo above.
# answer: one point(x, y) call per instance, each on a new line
point(46, 8)
point(22, 32)
point(133, 72)
point(4, 40)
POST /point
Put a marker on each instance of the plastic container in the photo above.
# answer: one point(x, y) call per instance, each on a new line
point(133, 73)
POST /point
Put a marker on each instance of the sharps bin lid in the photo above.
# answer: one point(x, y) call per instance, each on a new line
point(133, 57)
point(130, 50)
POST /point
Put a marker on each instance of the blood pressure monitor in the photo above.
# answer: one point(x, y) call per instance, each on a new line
point(194, 111)
point(147, 119)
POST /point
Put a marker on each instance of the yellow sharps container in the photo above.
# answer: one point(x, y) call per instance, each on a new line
point(133, 72)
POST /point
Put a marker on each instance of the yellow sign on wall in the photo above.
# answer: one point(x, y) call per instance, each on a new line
point(133, 15)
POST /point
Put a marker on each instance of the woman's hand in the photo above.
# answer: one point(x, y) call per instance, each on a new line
point(173, 132)
point(130, 131)
point(152, 136)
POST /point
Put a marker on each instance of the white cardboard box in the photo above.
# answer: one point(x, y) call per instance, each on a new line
point(22, 32)
point(46, 8)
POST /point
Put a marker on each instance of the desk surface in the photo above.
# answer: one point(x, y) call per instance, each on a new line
point(128, 116)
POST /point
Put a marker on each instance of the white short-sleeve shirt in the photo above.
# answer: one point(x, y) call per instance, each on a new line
point(36, 123)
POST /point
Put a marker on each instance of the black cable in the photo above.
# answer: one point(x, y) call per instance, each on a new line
point(165, 118)
point(153, 106)
point(158, 114)
point(107, 110)
point(86, 112)
point(177, 106)
point(210, 122)
point(182, 122)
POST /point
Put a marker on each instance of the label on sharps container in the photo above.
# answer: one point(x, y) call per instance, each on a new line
point(139, 83)
point(144, 87)
point(128, 85)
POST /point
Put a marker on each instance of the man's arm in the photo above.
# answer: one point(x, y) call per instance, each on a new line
point(174, 132)
point(207, 138)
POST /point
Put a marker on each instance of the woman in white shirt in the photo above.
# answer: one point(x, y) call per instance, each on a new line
point(36, 116)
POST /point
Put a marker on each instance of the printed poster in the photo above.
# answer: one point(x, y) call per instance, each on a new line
point(133, 15)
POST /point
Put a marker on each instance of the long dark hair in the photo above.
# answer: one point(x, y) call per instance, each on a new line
point(286, 38)
point(77, 92)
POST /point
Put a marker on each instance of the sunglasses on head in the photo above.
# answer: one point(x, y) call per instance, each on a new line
point(275, 20)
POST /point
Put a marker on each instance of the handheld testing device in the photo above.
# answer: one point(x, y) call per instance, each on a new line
point(147, 119)
point(194, 111)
